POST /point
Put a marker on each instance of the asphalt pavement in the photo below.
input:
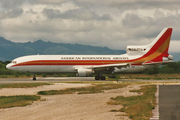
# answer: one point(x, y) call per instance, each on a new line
point(68, 79)
point(169, 102)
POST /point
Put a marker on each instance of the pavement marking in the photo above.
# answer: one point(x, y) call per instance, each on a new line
point(156, 109)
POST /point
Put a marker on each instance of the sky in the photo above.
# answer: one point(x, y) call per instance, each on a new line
point(105, 23)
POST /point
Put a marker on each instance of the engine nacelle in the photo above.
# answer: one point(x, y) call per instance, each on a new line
point(84, 72)
point(170, 57)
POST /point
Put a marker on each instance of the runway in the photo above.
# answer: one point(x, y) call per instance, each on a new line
point(47, 79)
point(70, 79)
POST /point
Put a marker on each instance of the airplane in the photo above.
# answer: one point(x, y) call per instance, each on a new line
point(137, 59)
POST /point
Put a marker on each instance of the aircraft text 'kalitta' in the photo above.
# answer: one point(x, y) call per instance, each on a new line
point(94, 58)
point(136, 49)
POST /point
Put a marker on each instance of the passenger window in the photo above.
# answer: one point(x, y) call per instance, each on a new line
point(14, 62)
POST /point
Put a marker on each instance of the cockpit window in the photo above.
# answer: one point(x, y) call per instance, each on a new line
point(14, 62)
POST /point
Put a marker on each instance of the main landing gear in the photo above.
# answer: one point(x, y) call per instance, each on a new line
point(100, 77)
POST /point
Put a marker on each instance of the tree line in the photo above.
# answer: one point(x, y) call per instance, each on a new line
point(170, 68)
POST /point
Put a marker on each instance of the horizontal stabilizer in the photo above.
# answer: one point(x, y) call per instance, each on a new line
point(152, 64)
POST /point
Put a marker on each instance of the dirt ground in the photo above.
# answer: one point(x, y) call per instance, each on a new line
point(66, 107)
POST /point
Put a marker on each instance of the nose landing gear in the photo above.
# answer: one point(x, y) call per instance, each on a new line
point(34, 77)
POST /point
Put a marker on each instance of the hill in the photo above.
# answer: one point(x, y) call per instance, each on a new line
point(10, 50)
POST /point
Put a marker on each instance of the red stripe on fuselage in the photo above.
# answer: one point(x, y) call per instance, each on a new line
point(70, 62)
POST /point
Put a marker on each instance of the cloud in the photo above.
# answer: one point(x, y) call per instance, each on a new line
point(49, 1)
point(134, 21)
point(141, 4)
point(78, 14)
point(174, 46)
point(148, 26)
point(14, 13)
point(11, 4)
point(109, 23)
point(11, 13)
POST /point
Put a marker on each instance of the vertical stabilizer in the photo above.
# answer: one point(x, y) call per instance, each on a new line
point(160, 46)
point(161, 42)
point(157, 51)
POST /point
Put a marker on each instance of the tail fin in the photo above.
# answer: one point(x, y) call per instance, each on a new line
point(161, 43)
point(157, 51)
point(160, 46)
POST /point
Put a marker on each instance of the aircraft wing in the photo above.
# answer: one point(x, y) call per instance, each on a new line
point(105, 67)
point(110, 65)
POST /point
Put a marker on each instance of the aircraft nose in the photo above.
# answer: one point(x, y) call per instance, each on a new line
point(11, 66)
point(8, 66)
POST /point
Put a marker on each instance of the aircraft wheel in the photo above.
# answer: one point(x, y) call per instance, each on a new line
point(34, 78)
point(103, 78)
point(97, 78)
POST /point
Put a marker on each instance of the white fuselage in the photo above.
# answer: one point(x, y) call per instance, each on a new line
point(66, 63)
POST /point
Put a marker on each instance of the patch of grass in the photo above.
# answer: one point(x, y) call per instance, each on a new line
point(3, 76)
point(43, 99)
point(44, 75)
point(55, 92)
point(138, 107)
point(97, 88)
point(122, 109)
point(16, 101)
point(114, 111)
point(23, 85)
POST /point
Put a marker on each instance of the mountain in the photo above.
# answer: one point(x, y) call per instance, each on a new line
point(10, 50)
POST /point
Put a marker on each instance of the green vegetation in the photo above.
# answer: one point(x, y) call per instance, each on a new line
point(137, 107)
point(23, 85)
point(15, 101)
point(97, 88)
point(4, 73)
point(170, 68)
